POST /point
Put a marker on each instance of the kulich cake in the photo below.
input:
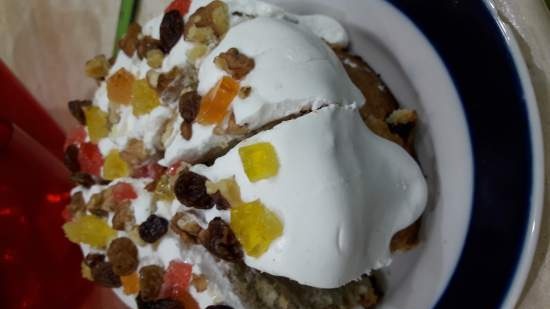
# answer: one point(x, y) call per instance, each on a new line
point(236, 155)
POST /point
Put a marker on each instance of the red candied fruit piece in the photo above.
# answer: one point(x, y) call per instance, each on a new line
point(150, 170)
point(76, 137)
point(123, 191)
point(176, 279)
point(90, 159)
point(172, 170)
point(180, 5)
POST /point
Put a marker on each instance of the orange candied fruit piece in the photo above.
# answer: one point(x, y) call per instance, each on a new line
point(215, 103)
point(255, 226)
point(97, 122)
point(130, 283)
point(119, 86)
point(176, 279)
point(114, 166)
point(259, 161)
point(144, 98)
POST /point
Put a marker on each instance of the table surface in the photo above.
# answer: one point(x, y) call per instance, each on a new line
point(47, 57)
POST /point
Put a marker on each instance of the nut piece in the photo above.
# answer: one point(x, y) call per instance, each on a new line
point(83, 179)
point(77, 204)
point(190, 190)
point(97, 67)
point(155, 58)
point(208, 24)
point(124, 219)
point(196, 53)
point(123, 255)
point(76, 108)
point(186, 227)
point(70, 159)
point(234, 63)
point(97, 206)
point(129, 42)
point(199, 282)
point(103, 274)
point(146, 44)
point(244, 92)
point(219, 239)
point(150, 281)
point(189, 105)
point(186, 130)
point(171, 29)
point(134, 153)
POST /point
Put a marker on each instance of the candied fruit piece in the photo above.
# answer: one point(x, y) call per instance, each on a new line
point(90, 159)
point(114, 166)
point(228, 188)
point(215, 103)
point(119, 87)
point(176, 279)
point(86, 272)
point(97, 67)
point(181, 5)
point(123, 191)
point(144, 99)
point(163, 189)
point(90, 230)
point(255, 226)
point(76, 137)
point(259, 161)
point(97, 122)
point(130, 283)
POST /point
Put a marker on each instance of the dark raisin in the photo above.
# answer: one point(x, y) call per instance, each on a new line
point(146, 44)
point(151, 278)
point(103, 274)
point(190, 190)
point(76, 109)
point(71, 158)
point(219, 239)
point(123, 254)
point(92, 259)
point(219, 307)
point(220, 201)
point(189, 105)
point(129, 41)
point(171, 29)
point(153, 228)
point(83, 179)
point(186, 130)
point(158, 304)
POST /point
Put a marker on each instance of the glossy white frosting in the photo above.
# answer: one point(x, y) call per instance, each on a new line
point(341, 192)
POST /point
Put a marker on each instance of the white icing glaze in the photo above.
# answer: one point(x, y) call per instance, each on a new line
point(341, 191)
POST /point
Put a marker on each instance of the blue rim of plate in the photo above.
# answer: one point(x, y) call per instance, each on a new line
point(502, 118)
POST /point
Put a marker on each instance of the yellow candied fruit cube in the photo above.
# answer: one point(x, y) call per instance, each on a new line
point(163, 189)
point(114, 166)
point(259, 161)
point(144, 98)
point(255, 226)
point(97, 122)
point(90, 230)
point(86, 272)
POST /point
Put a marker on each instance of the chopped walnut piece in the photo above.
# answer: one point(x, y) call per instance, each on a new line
point(196, 53)
point(155, 58)
point(171, 84)
point(186, 227)
point(77, 204)
point(114, 113)
point(401, 116)
point(76, 107)
point(152, 77)
point(208, 24)
point(233, 128)
point(244, 92)
point(219, 239)
point(134, 153)
point(234, 63)
point(97, 67)
point(97, 206)
point(171, 29)
point(199, 282)
point(124, 219)
point(186, 130)
point(129, 42)
point(167, 130)
point(146, 44)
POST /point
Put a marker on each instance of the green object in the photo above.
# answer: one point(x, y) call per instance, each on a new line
point(125, 18)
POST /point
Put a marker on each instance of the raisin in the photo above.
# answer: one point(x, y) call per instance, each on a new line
point(171, 29)
point(129, 41)
point(219, 307)
point(123, 254)
point(220, 201)
point(103, 274)
point(234, 63)
point(219, 239)
point(92, 259)
point(146, 44)
point(158, 304)
point(76, 109)
point(190, 190)
point(186, 130)
point(151, 278)
point(71, 158)
point(153, 228)
point(84, 179)
point(189, 105)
